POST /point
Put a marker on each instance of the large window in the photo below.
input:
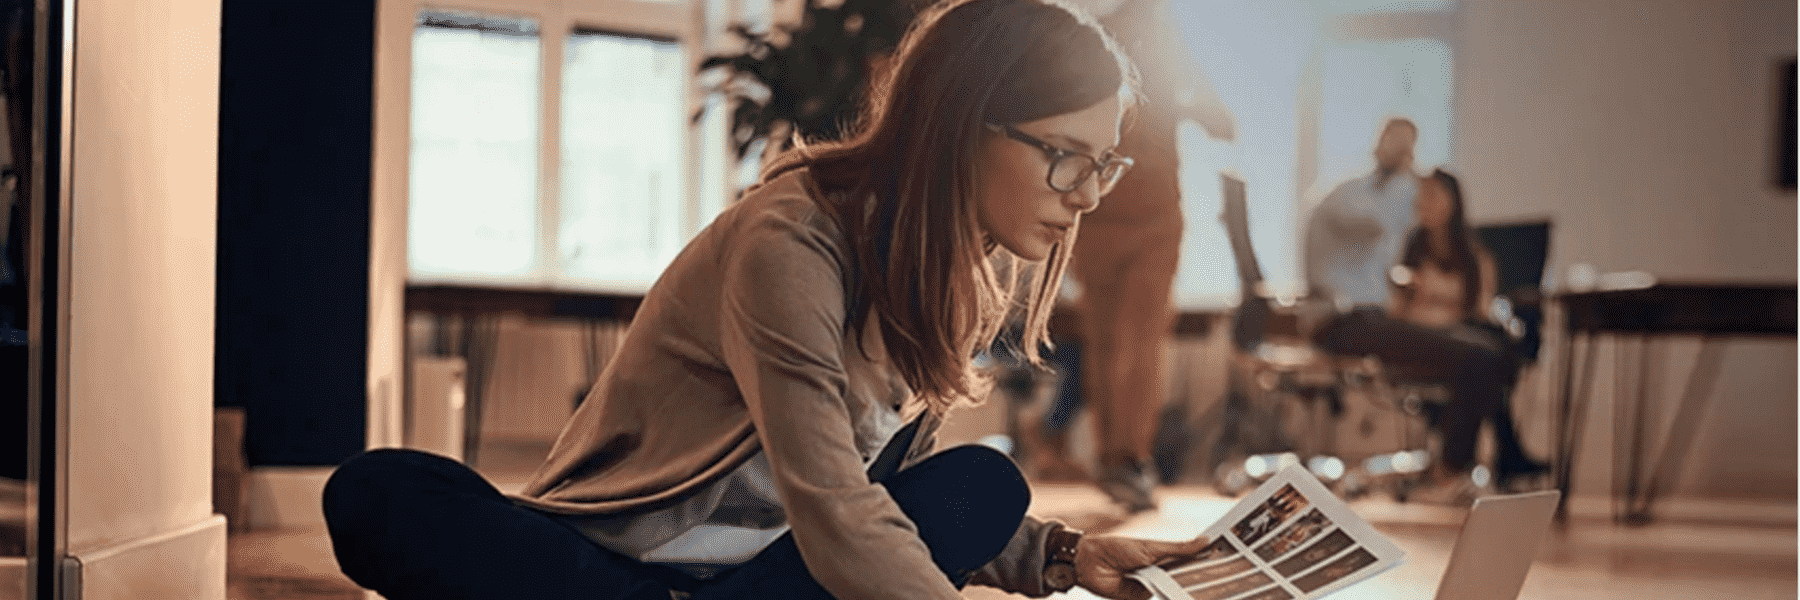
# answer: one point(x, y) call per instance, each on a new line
point(1255, 55)
point(551, 144)
point(1309, 83)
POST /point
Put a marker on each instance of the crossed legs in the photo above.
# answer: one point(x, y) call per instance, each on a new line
point(413, 525)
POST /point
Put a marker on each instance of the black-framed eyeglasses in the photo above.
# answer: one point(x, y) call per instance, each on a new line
point(1068, 168)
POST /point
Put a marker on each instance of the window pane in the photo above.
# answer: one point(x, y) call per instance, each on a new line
point(623, 148)
point(1206, 277)
point(1255, 54)
point(1365, 83)
point(472, 197)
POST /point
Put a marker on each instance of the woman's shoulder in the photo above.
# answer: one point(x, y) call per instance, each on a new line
point(789, 183)
point(787, 210)
point(791, 196)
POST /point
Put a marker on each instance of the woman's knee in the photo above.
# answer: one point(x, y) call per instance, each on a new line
point(388, 475)
point(355, 483)
point(370, 468)
point(966, 502)
point(979, 472)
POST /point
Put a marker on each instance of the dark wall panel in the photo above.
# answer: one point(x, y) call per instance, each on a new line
point(295, 118)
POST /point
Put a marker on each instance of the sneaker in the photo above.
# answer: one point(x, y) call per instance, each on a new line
point(1523, 476)
point(1129, 485)
point(1046, 455)
point(1055, 468)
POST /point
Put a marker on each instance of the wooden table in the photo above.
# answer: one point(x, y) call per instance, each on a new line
point(1714, 312)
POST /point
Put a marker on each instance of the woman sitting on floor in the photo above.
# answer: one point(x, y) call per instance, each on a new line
point(765, 429)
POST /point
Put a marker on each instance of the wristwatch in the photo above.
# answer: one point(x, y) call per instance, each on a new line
point(1059, 557)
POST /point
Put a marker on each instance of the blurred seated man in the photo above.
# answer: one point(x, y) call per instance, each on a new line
point(1353, 241)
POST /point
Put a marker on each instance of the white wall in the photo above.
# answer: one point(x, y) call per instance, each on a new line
point(1643, 129)
point(140, 306)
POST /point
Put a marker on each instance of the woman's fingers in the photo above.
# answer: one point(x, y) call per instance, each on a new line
point(1167, 550)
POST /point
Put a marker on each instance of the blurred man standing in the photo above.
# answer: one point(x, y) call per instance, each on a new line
point(1126, 256)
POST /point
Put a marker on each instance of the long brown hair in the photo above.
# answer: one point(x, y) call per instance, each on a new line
point(1465, 247)
point(903, 186)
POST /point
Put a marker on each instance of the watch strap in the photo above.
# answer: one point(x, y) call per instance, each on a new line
point(1059, 557)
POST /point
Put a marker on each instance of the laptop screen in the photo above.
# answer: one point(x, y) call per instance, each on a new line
point(1497, 545)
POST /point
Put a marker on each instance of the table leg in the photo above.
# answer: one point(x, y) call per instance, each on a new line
point(1694, 400)
point(1637, 410)
point(1572, 411)
point(1564, 382)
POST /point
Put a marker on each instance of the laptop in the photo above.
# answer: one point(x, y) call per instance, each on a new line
point(1497, 545)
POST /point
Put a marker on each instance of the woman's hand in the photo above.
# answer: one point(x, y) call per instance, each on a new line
point(1101, 562)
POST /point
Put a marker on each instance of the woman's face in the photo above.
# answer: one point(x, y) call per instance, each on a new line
point(1433, 205)
point(1015, 205)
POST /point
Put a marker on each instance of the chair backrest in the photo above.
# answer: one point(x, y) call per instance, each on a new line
point(1520, 250)
point(1235, 215)
point(1250, 321)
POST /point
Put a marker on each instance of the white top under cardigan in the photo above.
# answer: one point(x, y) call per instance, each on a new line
point(723, 525)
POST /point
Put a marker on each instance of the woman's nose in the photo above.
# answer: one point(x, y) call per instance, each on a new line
point(1085, 198)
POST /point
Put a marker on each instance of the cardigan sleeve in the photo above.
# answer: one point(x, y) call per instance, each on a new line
point(782, 337)
point(1020, 567)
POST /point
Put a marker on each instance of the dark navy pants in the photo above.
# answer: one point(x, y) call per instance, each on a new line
point(1476, 362)
point(413, 525)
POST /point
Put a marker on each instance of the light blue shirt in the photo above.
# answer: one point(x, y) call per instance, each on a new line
point(1354, 238)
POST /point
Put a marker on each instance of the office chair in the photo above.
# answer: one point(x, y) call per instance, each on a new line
point(1283, 395)
point(1520, 250)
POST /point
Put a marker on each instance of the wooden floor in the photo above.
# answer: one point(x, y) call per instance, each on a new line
point(1739, 552)
point(1751, 557)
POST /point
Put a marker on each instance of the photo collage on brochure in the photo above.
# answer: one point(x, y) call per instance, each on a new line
point(1290, 540)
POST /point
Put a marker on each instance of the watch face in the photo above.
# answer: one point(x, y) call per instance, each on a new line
point(1059, 576)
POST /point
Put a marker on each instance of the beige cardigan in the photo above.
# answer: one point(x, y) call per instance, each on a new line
point(741, 346)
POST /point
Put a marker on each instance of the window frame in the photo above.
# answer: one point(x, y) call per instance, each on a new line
point(697, 24)
point(683, 21)
point(1437, 22)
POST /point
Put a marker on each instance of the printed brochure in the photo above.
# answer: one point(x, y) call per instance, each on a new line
point(1291, 539)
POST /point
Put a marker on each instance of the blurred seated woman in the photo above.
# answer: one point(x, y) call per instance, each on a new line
point(1446, 283)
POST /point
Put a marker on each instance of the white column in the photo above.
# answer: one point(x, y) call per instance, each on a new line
point(142, 237)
